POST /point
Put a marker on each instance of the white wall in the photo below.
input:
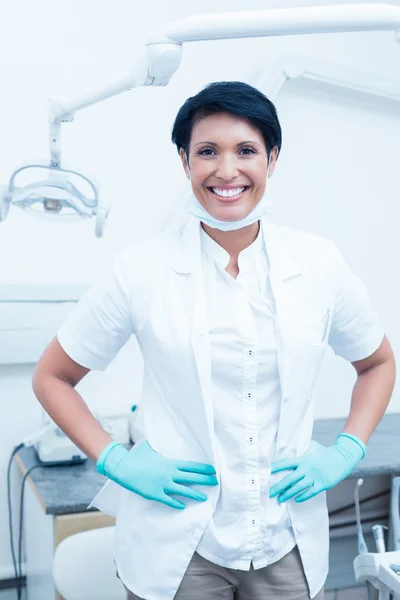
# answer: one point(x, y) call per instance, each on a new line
point(337, 174)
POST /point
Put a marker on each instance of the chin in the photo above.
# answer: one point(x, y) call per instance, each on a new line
point(230, 214)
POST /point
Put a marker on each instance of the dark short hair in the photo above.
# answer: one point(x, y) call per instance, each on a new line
point(233, 97)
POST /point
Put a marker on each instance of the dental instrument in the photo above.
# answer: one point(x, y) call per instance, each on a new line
point(381, 568)
point(362, 546)
point(395, 512)
point(379, 537)
point(58, 197)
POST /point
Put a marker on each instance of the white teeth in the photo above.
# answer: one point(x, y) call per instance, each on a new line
point(228, 193)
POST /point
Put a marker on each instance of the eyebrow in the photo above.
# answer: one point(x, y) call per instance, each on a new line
point(237, 145)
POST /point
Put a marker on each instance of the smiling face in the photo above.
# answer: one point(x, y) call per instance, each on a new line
point(228, 165)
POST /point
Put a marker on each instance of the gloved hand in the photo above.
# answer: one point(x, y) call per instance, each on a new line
point(147, 473)
point(319, 469)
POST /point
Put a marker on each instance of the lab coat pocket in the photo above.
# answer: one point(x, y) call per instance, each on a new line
point(318, 331)
point(317, 341)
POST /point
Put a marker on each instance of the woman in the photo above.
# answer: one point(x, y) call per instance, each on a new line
point(232, 315)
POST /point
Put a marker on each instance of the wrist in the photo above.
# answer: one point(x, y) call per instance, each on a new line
point(110, 457)
point(353, 444)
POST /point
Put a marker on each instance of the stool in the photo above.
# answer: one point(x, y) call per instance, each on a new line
point(84, 569)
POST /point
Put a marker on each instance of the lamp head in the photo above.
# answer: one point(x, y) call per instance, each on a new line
point(57, 197)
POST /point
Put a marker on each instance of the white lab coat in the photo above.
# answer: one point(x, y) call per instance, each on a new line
point(318, 301)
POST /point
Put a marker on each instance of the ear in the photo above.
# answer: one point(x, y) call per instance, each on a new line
point(184, 163)
point(273, 156)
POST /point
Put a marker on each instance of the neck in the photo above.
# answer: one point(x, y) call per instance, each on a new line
point(234, 241)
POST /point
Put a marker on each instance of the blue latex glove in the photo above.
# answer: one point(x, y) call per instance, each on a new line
point(147, 473)
point(318, 469)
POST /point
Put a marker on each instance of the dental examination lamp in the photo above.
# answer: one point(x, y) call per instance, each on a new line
point(65, 194)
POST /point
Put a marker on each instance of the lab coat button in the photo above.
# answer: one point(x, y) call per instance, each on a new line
point(299, 527)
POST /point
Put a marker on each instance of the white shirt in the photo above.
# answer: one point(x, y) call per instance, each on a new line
point(156, 291)
point(247, 526)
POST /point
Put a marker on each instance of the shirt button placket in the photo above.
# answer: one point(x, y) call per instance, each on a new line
point(250, 378)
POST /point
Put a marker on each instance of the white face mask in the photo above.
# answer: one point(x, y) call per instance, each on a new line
point(260, 210)
point(200, 213)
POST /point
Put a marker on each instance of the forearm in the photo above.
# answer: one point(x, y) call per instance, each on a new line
point(67, 408)
point(370, 398)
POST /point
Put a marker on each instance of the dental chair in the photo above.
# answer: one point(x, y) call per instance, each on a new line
point(84, 569)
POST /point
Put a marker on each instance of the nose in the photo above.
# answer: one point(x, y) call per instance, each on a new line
point(227, 167)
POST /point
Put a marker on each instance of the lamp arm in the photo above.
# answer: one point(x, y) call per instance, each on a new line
point(154, 66)
point(281, 21)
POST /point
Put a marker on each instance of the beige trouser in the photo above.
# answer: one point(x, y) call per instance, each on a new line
point(204, 580)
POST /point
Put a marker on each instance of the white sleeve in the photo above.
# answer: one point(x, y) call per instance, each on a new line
point(356, 331)
point(101, 322)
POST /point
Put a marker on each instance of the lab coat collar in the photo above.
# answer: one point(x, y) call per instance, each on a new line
point(221, 257)
point(188, 249)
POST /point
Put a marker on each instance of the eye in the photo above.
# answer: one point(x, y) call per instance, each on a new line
point(252, 151)
point(201, 152)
